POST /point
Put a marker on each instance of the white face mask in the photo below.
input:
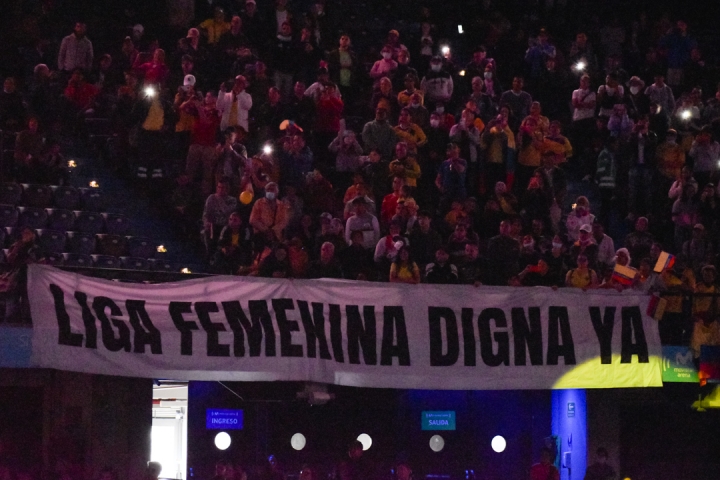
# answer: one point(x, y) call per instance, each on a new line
point(386, 55)
point(415, 104)
point(434, 123)
point(634, 90)
point(435, 67)
point(440, 109)
point(557, 245)
point(488, 75)
point(270, 195)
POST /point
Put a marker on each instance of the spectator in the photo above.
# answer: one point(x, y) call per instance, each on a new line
point(684, 215)
point(386, 66)
point(327, 266)
point(403, 268)
point(387, 248)
point(343, 68)
point(600, 470)
point(503, 253)
point(269, 215)
point(154, 72)
point(424, 239)
point(202, 155)
point(76, 51)
point(697, 249)
point(605, 246)
point(437, 83)
point(277, 264)
point(409, 133)
point(364, 222)
point(582, 276)
point(357, 257)
point(218, 208)
point(705, 153)
point(579, 216)
point(379, 134)
point(587, 246)
point(518, 101)
point(441, 271)
point(451, 177)
point(661, 94)
point(609, 95)
point(684, 178)
point(214, 28)
point(28, 151)
point(234, 105)
point(640, 241)
point(234, 248)
point(545, 470)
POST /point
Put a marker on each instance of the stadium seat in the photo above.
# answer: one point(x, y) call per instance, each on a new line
point(59, 219)
point(77, 260)
point(9, 233)
point(141, 247)
point(92, 199)
point(81, 243)
point(37, 195)
point(10, 193)
point(52, 241)
point(135, 263)
point(90, 222)
point(115, 245)
point(66, 197)
point(116, 223)
point(8, 216)
point(161, 265)
point(106, 261)
point(32, 217)
point(55, 259)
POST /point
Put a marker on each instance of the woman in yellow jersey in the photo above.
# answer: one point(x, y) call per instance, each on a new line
point(403, 269)
point(582, 276)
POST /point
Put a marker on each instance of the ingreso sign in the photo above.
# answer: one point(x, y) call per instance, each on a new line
point(438, 420)
point(220, 419)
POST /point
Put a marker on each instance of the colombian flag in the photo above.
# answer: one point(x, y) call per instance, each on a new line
point(623, 275)
point(665, 261)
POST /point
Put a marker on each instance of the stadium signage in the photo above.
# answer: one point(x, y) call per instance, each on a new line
point(347, 333)
point(223, 419)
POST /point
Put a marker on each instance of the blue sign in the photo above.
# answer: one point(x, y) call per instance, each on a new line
point(218, 419)
point(438, 420)
point(571, 409)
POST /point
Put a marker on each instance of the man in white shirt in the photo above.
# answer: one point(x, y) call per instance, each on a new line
point(606, 246)
point(584, 100)
point(76, 51)
point(234, 105)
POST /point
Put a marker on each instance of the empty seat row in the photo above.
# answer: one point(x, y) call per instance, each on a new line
point(65, 220)
point(104, 261)
point(53, 241)
point(65, 197)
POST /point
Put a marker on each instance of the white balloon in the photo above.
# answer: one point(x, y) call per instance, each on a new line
point(498, 443)
point(297, 441)
point(222, 441)
point(366, 440)
point(437, 443)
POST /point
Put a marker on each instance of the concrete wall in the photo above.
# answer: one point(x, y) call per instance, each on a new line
point(90, 421)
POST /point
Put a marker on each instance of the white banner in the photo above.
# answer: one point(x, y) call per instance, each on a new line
point(342, 332)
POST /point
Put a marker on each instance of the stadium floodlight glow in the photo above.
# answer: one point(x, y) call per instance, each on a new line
point(222, 441)
point(498, 444)
point(686, 114)
point(580, 66)
point(150, 91)
point(460, 29)
point(297, 441)
point(267, 149)
point(366, 440)
point(437, 443)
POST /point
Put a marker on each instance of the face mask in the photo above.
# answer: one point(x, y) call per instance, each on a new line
point(386, 55)
point(435, 67)
point(270, 195)
point(488, 75)
point(440, 109)
point(415, 104)
point(634, 90)
point(528, 245)
point(557, 246)
point(434, 123)
point(610, 90)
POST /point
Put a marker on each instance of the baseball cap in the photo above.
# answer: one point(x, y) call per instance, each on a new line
point(189, 81)
point(586, 228)
point(193, 32)
point(699, 226)
point(394, 32)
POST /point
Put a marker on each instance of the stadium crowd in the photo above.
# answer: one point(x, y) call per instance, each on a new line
point(297, 155)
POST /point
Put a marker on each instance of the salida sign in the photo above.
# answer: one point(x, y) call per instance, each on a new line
point(438, 420)
point(350, 333)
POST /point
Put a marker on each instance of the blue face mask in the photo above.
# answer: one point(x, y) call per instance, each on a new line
point(270, 195)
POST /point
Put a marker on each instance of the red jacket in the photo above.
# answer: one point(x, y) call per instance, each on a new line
point(329, 113)
point(81, 95)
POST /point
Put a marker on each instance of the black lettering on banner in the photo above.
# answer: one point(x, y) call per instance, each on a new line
point(213, 346)
point(286, 327)
point(529, 335)
point(239, 324)
point(65, 333)
point(502, 357)
point(361, 334)
point(435, 317)
point(632, 323)
point(259, 314)
point(559, 324)
point(145, 332)
point(336, 337)
point(110, 341)
point(314, 326)
point(468, 329)
point(88, 320)
point(185, 327)
point(604, 327)
point(394, 321)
